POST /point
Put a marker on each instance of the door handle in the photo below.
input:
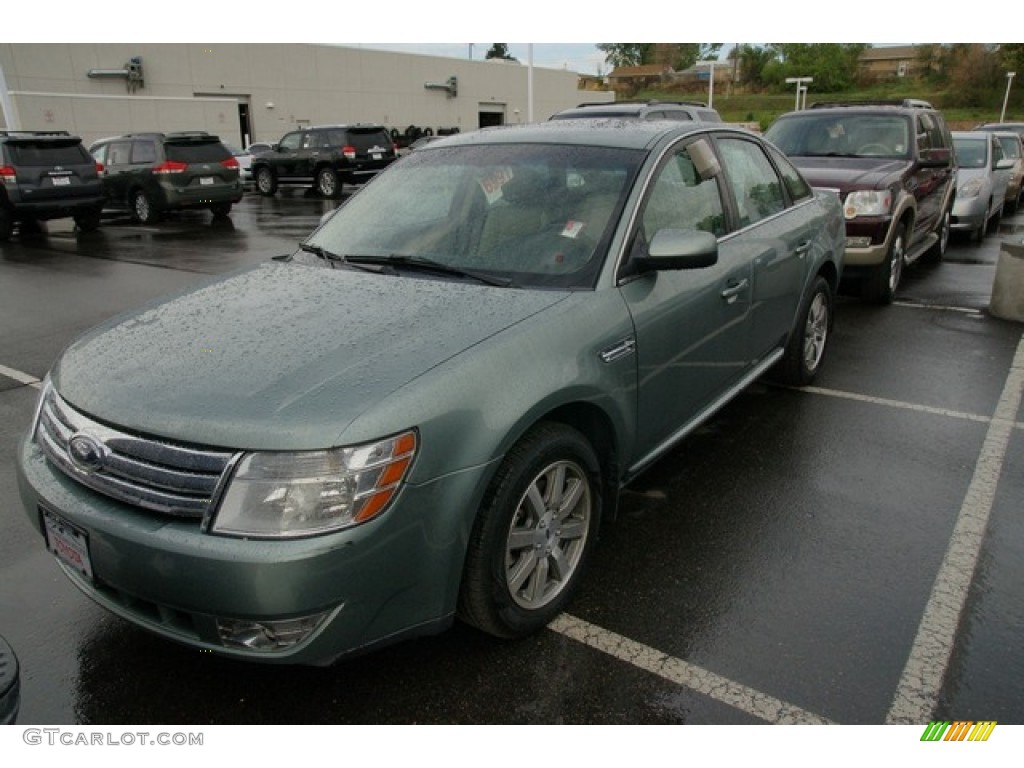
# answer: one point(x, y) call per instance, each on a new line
point(803, 248)
point(732, 292)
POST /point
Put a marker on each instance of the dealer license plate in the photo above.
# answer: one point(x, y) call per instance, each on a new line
point(61, 181)
point(377, 155)
point(68, 542)
point(206, 180)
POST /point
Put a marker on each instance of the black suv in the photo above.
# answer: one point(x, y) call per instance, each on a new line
point(643, 110)
point(326, 157)
point(150, 173)
point(47, 175)
point(893, 166)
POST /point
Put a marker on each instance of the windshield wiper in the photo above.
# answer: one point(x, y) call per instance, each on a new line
point(429, 265)
point(332, 258)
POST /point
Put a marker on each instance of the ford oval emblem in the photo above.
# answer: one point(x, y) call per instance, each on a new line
point(87, 453)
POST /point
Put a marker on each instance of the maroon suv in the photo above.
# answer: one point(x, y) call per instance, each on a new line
point(893, 166)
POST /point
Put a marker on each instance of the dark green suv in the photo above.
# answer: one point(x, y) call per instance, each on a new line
point(47, 175)
point(325, 157)
point(150, 173)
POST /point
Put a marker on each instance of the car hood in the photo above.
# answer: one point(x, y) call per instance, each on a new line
point(281, 356)
point(846, 173)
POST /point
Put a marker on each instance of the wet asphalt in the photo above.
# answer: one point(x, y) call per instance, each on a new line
point(849, 553)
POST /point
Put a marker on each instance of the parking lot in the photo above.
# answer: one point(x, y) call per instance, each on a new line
point(848, 553)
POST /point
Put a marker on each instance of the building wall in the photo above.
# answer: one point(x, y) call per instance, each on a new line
point(283, 85)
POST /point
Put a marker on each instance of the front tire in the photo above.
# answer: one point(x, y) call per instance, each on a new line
point(266, 182)
point(880, 285)
point(805, 351)
point(534, 533)
point(937, 252)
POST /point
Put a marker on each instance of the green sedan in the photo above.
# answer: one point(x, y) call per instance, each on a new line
point(428, 411)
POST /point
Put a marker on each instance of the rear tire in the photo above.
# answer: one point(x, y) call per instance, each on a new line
point(88, 222)
point(328, 184)
point(6, 225)
point(220, 209)
point(266, 181)
point(805, 351)
point(143, 209)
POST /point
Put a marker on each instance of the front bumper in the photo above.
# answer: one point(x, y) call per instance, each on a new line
point(393, 577)
point(867, 240)
point(969, 213)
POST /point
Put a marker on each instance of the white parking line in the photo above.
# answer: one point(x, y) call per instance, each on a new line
point(903, 405)
point(940, 307)
point(679, 672)
point(24, 378)
point(921, 682)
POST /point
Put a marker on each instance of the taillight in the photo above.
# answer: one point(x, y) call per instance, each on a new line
point(8, 175)
point(100, 170)
point(349, 152)
point(229, 163)
point(170, 166)
point(394, 148)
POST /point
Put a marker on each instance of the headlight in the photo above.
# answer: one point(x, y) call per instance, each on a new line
point(281, 495)
point(971, 188)
point(867, 202)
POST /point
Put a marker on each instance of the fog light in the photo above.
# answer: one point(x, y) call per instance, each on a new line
point(858, 242)
point(268, 636)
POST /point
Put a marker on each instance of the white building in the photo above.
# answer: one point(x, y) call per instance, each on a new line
point(256, 92)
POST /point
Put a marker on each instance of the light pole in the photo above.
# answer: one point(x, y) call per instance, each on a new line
point(1006, 98)
point(801, 89)
point(710, 64)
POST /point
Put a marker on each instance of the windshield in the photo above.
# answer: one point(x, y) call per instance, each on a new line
point(842, 135)
point(531, 215)
point(971, 152)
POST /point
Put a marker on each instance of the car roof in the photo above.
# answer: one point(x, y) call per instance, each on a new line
point(605, 132)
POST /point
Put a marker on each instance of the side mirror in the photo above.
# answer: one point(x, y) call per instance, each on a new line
point(936, 157)
point(1005, 164)
point(673, 249)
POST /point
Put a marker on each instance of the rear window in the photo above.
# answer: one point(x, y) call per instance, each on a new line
point(47, 153)
point(364, 140)
point(196, 152)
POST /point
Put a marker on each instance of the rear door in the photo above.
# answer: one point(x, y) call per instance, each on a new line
point(371, 149)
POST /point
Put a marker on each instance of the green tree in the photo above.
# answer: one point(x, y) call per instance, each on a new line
point(626, 54)
point(752, 61)
point(499, 51)
point(832, 65)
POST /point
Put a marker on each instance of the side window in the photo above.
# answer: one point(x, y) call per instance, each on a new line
point(291, 141)
point(311, 140)
point(797, 186)
point(119, 153)
point(680, 199)
point(143, 152)
point(756, 188)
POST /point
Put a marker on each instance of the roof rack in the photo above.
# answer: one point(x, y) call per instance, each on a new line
point(33, 133)
point(912, 103)
point(642, 102)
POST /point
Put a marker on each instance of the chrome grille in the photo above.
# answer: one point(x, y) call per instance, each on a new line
point(165, 477)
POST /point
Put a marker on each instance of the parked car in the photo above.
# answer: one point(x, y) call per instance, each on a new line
point(47, 175)
point(325, 157)
point(430, 407)
point(244, 159)
point(981, 181)
point(10, 684)
point(997, 127)
point(643, 110)
point(149, 174)
point(893, 166)
point(1013, 149)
